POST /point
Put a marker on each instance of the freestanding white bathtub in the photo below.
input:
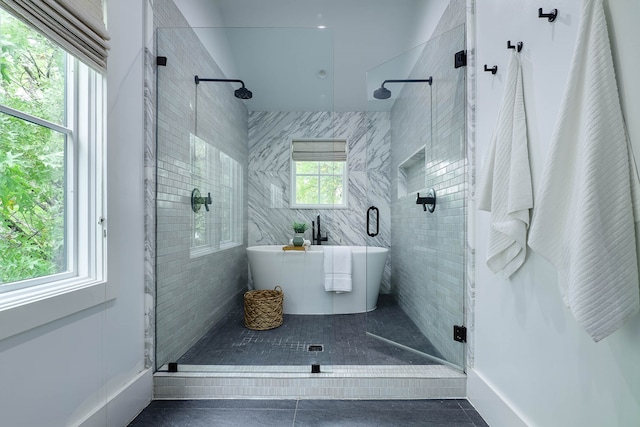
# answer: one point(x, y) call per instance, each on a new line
point(301, 276)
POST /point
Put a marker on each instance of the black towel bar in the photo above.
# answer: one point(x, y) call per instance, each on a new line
point(377, 211)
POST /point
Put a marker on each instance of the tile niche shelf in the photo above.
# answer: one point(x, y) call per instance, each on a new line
point(411, 174)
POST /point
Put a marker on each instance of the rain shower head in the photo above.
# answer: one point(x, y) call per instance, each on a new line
point(384, 93)
point(241, 93)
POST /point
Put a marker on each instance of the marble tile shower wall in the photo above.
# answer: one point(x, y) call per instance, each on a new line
point(192, 293)
point(428, 248)
point(270, 217)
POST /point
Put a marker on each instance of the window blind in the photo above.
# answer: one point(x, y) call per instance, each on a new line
point(319, 151)
point(76, 25)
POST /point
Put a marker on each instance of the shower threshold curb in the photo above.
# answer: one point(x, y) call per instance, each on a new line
point(297, 382)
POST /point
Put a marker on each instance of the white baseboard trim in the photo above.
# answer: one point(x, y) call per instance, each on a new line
point(490, 404)
point(122, 406)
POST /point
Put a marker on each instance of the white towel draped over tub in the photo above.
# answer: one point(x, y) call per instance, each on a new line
point(337, 268)
point(504, 186)
point(584, 217)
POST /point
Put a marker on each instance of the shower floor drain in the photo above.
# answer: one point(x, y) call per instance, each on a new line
point(316, 347)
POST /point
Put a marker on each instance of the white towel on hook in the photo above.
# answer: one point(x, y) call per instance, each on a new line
point(587, 202)
point(504, 186)
point(337, 268)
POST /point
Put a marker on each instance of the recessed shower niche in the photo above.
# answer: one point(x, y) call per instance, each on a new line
point(411, 174)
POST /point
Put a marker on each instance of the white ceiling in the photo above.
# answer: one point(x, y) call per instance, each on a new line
point(275, 46)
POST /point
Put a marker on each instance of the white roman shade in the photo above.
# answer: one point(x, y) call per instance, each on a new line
point(76, 25)
point(319, 150)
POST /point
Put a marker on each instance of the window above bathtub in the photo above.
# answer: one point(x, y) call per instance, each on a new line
point(319, 173)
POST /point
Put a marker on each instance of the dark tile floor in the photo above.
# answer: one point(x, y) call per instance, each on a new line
point(235, 413)
point(344, 340)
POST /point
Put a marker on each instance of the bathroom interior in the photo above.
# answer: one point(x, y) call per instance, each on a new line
point(402, 187)
point(527, 362)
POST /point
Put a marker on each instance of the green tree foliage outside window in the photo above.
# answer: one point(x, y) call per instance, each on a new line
point(319, 183)
point(32, 156)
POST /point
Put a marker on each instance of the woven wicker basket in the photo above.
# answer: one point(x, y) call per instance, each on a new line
point(263, 309)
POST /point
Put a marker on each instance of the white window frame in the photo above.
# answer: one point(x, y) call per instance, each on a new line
point(204, 183)
point(236, 214)
point(294, 174)
point(211, 182)
point(34, 302)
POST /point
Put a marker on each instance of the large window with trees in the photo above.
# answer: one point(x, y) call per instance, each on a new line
point(51, 133)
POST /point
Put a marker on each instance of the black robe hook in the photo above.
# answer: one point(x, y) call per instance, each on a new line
point(518, 45)
point(551, 15)
point(493, 69)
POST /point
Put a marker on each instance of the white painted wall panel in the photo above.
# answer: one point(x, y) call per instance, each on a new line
point(529, 348)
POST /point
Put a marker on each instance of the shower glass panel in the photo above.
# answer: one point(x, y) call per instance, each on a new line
point(223, 184)
point(424, 136)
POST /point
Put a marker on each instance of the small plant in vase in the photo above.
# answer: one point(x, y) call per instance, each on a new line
point(299, 228)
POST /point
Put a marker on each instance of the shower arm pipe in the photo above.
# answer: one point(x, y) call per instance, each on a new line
point(200, 79)
point(429, 80)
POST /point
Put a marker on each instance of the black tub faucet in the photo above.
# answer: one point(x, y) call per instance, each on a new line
point(317, 236)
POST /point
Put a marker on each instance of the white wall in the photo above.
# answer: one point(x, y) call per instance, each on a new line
point(124, 329)
point(68, 371)
point(528, 347)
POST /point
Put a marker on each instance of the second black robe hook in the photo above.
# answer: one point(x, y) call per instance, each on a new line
point(493, 69)
point(518, 45)
point(551, 15)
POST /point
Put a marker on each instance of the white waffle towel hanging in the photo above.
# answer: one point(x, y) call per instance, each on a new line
point(587, 202)
point(504, 186)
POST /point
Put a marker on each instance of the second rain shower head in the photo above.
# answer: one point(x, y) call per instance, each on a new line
point(240, 93)
point(384, 93)
point(243, 93)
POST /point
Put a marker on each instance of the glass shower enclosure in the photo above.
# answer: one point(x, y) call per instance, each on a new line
point(224, 184)
point(419, 187)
